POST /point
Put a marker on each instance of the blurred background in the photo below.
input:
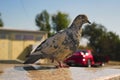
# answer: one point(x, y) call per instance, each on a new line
point(26, 23)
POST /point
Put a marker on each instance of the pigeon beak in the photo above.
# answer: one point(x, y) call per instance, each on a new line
point(89, 22)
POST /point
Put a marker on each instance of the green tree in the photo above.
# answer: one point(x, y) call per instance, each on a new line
point(42, 21)
point(93, 33)
point(60, 21)
point(1, 22)
point(101, 41)
point(112, 46)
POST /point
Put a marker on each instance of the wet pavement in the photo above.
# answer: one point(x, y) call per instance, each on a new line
point(38, 72)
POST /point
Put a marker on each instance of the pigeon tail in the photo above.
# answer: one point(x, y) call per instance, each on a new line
point(33, 58)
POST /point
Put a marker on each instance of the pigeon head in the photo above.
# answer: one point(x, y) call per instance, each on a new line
point(81, 19)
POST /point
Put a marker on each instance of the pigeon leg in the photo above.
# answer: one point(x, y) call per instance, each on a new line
point(62, 65)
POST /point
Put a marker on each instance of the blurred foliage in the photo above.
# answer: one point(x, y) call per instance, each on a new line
point(85, 48)
point(43, 21)
point(1, 22)
point(101, 41)
point(60, 21)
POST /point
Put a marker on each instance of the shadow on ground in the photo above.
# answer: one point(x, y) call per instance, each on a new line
point(9, 62)
point(35, 67)
point(94, 66)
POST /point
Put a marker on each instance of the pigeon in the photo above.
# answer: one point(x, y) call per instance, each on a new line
point(61, 45)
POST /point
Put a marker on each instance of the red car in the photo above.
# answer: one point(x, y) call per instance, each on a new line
point(82, 57)
point(85, 58)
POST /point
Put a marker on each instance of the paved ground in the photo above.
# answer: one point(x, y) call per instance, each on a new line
point(105, 73)
point(33, 72)
point(27, 72)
